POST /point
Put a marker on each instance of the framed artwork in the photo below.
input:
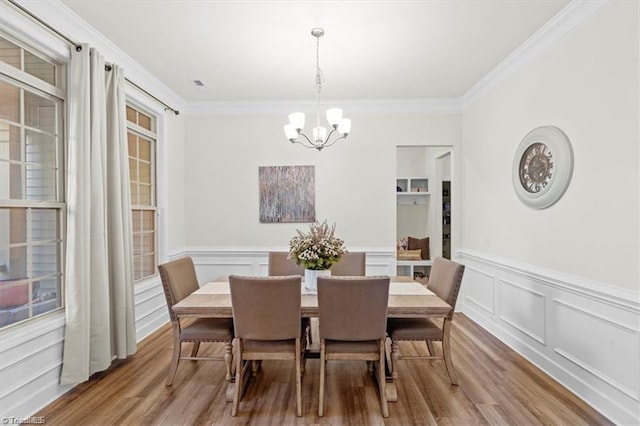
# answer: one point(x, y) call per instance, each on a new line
point(287, 194)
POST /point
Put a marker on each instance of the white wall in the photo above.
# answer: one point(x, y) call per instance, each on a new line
point(561, 285)
point(587, 85)
point(355, 179)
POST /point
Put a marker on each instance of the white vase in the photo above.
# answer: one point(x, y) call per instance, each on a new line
point(311, 278)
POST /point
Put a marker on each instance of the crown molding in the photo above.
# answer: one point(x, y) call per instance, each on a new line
point(59, 16)
point(567, 20)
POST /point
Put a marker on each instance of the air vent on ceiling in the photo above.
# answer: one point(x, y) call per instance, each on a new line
point(198, 83)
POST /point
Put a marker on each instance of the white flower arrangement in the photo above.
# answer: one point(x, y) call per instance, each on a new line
point(318, 249)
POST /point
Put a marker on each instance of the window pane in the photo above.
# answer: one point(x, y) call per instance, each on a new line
point(144, 194)
point(133, 144)
point(145, 172)
point(9, 102)
point(41, 183)
point(145, 149)
point(9, 53)
point(47, 295)
point(133, 170)
point(39, 68)
point(136, 218)
point(17, 267)
point(10, 142)
point(17, 225)
point(39, 112)
point(148, 243)
point(132, 115)
point(149, 265)
point(16, 171)
point(41, 148)
point(144, 121)
point(44, 224)
point(148, 222)
point(134, 194)
point(44, 260)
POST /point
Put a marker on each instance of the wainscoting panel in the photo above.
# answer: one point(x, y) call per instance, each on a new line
point(584, 334)
point(480, 295)
point(30, 365)
point(216, 262)
point(523, 309)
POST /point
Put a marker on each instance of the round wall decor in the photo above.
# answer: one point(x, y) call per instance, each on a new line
point(542, 167)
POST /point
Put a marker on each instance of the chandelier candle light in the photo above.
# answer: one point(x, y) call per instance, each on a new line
point(320, 139)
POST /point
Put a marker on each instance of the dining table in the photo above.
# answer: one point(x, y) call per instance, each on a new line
point(407, 299)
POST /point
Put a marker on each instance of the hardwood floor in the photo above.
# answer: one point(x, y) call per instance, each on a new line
point(497, 386)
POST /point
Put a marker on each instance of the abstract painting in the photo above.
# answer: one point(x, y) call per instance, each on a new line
point(287, 194)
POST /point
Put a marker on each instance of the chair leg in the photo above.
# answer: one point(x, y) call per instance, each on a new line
point(446, 352)
point(194, 350)
point(239, 375)
point(322, 373)
point(430, 348)
point(175, 358)
point(395, 355)
point(298, 379)
point(228, 358)
point(382, 382)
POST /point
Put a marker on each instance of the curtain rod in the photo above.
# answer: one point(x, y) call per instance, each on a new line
point(78, 47)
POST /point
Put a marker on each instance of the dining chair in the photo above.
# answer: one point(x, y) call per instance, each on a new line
point(280, 265)
point(266, 316)
point(178, 281)
point(353, 316)
point(445, 281)
point(350, 264)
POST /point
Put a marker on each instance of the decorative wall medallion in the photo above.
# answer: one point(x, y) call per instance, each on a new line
point(542, 167)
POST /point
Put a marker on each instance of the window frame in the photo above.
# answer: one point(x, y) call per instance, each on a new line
point(153, 136)
point(57, 93)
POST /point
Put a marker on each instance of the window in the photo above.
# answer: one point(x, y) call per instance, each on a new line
point(141, 138)
point(32, 204)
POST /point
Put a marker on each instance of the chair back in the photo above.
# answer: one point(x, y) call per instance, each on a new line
point(445, 280)
point(350, 264)
point(279, 265)
point(353, 308)
point(178, 281)
point(266, 308)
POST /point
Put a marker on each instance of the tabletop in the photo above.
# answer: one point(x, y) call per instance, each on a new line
point(406, 299)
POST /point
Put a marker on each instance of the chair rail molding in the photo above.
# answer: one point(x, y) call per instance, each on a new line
point(584, 334)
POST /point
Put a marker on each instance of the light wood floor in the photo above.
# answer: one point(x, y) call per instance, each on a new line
point(497, 386)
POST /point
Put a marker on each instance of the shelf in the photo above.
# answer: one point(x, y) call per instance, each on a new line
point(426, 262)
point(412, 198)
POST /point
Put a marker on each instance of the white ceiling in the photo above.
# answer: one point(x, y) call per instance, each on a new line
point(263, 50)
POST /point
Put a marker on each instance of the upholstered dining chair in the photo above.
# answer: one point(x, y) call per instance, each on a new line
point(266, 316)
point(178, 281)
point(445, 280)
point(350, 264)
point(353, 316)
point(279, 265)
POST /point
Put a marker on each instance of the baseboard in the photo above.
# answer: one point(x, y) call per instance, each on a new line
point(584, 334)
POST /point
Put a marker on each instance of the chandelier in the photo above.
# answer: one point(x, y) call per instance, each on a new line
point(340, 127)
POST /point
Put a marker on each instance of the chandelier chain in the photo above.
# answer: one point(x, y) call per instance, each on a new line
point(319, 81)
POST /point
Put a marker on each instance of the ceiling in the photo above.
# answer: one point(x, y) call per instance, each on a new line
point(263, 50)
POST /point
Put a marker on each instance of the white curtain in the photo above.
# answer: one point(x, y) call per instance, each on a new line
point(98, 269)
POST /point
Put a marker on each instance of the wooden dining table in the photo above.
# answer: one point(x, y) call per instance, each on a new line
point(407, 299)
